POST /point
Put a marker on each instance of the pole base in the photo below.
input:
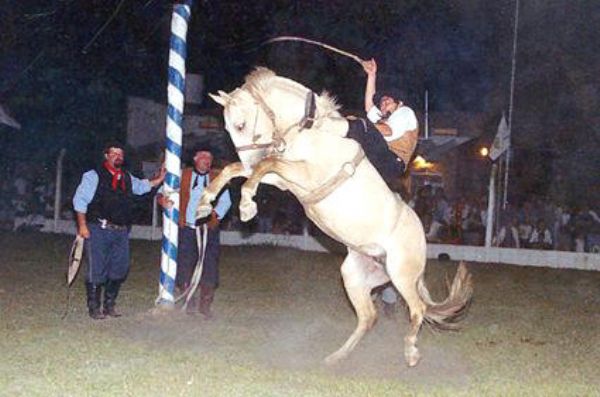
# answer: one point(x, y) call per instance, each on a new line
point(163, 307)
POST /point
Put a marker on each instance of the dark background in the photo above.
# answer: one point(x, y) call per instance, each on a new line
point(68, 88)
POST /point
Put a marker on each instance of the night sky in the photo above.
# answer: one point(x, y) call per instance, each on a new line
point(67, 87)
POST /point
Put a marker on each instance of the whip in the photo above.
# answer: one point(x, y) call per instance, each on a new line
point(317, 43)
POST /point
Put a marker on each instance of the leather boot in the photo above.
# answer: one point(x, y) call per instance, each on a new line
point(193, 306)
point(111, 291)
point(207, 295)
point(94, 293)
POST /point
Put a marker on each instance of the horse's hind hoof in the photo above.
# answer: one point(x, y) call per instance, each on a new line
point(412, 358)
point(334, 358)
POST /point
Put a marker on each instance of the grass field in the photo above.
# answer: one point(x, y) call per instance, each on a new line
point(279, 312)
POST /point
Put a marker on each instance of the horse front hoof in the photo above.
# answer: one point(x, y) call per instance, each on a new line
point(248, 210)
point(203, 211)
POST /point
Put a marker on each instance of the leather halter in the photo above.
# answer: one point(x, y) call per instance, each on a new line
point(278, 141)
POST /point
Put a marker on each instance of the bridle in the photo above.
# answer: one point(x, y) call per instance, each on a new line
point(278, 142)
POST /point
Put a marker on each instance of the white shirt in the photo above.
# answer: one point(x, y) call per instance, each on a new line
point(401, 120)
point(538, 236)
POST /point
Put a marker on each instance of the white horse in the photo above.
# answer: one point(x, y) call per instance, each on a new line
point(289, 137)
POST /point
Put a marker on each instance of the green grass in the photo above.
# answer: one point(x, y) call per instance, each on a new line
point(529, 332)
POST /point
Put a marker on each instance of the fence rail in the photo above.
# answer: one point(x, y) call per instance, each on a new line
point(305, 242)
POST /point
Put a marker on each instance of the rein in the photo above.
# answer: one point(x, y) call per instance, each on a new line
point(308, 120)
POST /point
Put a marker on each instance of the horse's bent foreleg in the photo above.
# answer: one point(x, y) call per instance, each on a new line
point(231, 171)
point(285, 169)
point(360, 274)
point(405, 275)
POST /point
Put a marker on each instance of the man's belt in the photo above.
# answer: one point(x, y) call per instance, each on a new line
point(107, 225)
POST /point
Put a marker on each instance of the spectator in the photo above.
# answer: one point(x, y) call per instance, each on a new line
point(541, 237)
point(508, 236)
point(525, 229)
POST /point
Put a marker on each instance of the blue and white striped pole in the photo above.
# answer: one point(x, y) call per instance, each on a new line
point(176, 99)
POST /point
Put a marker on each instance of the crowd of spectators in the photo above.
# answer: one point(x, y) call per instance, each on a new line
point(536, 222)
point(27, 195)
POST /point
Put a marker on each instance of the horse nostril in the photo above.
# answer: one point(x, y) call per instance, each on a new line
point(240, 126)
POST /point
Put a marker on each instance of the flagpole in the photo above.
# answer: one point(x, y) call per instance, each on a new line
point(490, 209)
point(426, 114)
point(511, 101)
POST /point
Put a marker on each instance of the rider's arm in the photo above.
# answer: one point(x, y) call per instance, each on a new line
point(370, 68)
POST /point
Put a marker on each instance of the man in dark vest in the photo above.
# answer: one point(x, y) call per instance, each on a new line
point(103, 205)
point(193, 181)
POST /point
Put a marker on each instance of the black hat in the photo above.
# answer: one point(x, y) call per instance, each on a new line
point(396, 94)
point(202, 147)
point(113, 144)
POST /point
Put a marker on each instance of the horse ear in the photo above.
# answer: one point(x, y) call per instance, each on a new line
point(222, 98)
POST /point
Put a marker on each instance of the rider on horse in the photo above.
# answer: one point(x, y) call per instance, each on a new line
point(390, 137)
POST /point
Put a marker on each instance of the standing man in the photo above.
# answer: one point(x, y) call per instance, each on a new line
point(193, 181)
point(102, 203)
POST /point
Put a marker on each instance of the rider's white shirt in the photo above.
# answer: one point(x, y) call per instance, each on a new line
point(401, 120)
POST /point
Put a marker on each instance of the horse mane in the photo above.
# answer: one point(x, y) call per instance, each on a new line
point(263, 78)
point(258, 76)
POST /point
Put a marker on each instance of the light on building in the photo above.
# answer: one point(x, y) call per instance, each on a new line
point(484, 151)
point(421, 164)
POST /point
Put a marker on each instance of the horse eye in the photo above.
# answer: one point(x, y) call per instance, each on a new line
point(240, 126)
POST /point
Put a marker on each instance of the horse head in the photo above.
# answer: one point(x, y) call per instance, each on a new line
point(247, 124)
point(263, 114)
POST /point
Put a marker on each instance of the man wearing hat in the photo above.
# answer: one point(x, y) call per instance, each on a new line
point(193, 181)
point(391, 143)
point(103, 206)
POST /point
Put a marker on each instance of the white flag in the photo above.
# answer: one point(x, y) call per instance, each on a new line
point(501, 141)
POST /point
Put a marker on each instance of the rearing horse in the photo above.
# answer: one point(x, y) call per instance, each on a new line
point(289, 137)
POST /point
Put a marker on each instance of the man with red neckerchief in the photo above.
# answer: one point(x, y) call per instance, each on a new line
point(102, 204)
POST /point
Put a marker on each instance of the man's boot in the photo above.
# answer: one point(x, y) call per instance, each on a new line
point(94, 293)
point(111, 291)
point(207, 295)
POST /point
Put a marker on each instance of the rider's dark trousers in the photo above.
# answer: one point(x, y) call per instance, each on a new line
point(389, 166)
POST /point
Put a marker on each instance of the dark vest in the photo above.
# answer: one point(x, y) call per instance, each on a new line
point(112, 205)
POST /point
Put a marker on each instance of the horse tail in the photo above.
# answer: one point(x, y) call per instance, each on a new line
point(446, 314)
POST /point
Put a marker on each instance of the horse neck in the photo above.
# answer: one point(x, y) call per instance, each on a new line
point(293, 110)
point(335, 124)
point(286, 99)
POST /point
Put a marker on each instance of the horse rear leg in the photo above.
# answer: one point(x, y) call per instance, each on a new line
point(405, 271)
point(360, 274)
